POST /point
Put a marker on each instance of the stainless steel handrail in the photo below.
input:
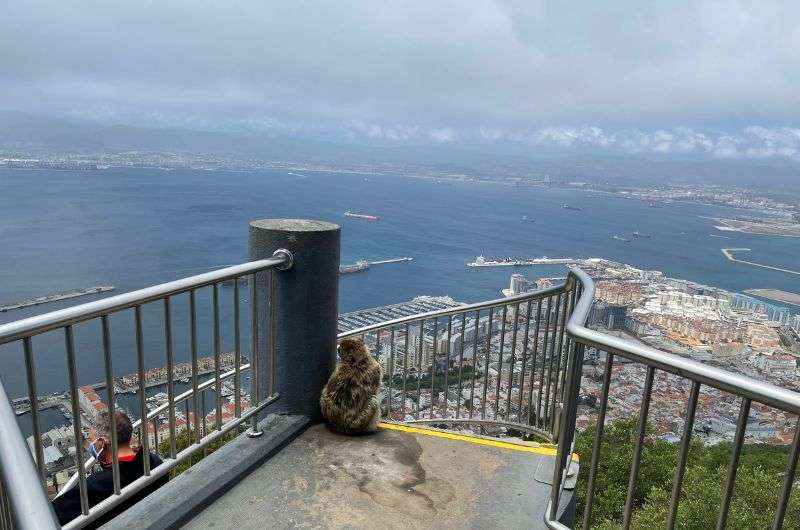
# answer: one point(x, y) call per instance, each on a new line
point(760, 391)
point(510, 330)
point(72, 315)
point(699, 374)
point(555, 350)
point(14, 450)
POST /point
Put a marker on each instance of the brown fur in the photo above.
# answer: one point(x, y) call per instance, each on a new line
point(349, 401)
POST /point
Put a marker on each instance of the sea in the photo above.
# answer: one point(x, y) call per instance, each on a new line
point(62, 230)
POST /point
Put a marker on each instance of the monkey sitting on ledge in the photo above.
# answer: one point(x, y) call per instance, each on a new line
point(349, 401)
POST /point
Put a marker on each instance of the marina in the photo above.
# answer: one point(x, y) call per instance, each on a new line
point(55, 297)
point(129, 384)
point(419, 304)
point(57, 400)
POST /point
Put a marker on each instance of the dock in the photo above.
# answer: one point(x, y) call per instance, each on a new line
point(481, 262)
point(22, 406)
point(392, 260)
point(55, 297)
point(552, 261)
point(363, 265)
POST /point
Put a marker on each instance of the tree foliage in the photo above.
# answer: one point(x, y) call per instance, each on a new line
point(183, 440)
point(438, 379)
point(757, 489)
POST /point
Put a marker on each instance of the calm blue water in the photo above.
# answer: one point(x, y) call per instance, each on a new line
point(61, 230)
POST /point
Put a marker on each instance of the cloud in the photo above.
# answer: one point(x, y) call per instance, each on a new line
point(491, 134)
point(753, 141)
point(442, 135)
point(491, 65)
point(395, 133)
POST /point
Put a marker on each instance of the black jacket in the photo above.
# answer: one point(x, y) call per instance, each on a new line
point(101, 485)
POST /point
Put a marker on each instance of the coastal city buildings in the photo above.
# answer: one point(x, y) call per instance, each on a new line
point(736, 332)
point(705, 323)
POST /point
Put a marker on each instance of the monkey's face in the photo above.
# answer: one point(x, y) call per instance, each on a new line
point(352, 351)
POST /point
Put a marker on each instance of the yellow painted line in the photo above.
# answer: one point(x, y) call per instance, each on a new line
point(543, 449)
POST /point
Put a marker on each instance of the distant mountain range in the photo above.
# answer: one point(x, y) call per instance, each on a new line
point(23, 133)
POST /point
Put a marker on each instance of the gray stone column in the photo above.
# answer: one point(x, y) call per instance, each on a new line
point(306, 310)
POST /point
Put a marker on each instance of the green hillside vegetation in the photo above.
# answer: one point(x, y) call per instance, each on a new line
point(183, 440)
point(756, 493)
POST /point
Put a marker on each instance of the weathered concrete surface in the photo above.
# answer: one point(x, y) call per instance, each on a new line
point(387, 480)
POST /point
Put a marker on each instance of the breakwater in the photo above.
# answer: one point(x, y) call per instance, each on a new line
point(55, 297)
point(728, 253)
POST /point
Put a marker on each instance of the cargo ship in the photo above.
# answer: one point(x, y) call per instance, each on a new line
point(481, 261)
point(364, 216)
point(566, 206)
point(358, 266)
point(620, 238)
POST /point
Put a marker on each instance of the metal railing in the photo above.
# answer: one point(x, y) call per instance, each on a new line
point(517, 362)
point(698, 374)
point(499, 363)
point(23, 500)
point(513, 363)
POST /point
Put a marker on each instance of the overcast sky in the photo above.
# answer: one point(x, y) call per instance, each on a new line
point(721, 77)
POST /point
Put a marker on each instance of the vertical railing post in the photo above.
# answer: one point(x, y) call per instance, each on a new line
point(300, 342)
point(566, 427)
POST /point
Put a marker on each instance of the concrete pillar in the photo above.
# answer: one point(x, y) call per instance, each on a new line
point(306, 310)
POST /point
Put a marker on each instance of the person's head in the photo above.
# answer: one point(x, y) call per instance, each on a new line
point(100, 436)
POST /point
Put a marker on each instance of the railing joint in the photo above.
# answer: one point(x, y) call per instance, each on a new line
point(287, 256)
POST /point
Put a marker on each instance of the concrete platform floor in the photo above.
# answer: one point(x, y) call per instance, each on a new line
point(400, 477)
